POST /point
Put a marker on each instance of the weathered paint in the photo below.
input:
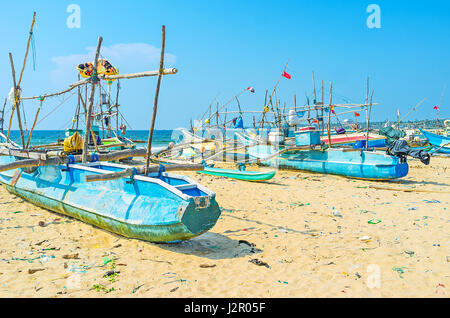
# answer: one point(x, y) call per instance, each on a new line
point(158, 209)
point(373, 165)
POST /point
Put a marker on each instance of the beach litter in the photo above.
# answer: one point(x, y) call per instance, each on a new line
point(32, 271)
point(399, 270)
point(365, 238)
point(70, 256)
point(374, 221)
point(136, 288)
point(410, 253)
point(259, 262)
point(431, 201)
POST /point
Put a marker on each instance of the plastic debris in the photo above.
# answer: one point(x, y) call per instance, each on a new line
point(431, 201)
point(399, 270)
point(374, 221)
point(259, 262)
point(136, 288)
point(410, 253)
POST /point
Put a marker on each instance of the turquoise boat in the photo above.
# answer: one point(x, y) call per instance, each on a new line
point(240, 174)
point(348, 162)
point(161, 207)
point(440, 143)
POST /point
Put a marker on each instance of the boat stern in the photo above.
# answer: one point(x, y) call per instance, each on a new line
point(201, 214)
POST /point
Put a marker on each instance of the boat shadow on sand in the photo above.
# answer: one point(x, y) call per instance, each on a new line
point(212, 246)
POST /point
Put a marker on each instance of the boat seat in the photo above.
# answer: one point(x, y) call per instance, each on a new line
point(187, 186)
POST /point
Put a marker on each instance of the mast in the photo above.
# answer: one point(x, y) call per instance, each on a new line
point(329, 115)
point(16, 103)
point(94, 81)
point(155, 104)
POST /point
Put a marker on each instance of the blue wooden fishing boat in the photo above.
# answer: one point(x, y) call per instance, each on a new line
point(355, 163)
point(160, 207)
point(440, 143)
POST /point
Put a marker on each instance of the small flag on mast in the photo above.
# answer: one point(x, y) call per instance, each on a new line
point(251, 89)
point(287, 75)
point(356, 114)
point(436, 107)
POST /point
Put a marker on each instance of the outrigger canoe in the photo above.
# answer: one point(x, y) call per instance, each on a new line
point(240, 174)
point(160, 207)
point(440, 143)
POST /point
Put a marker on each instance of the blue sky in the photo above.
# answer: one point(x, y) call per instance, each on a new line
point(222, 47)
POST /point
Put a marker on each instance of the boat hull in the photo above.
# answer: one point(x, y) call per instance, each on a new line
point(438, 141)
point(240, 175)
point(133, 207)
point(359, 164)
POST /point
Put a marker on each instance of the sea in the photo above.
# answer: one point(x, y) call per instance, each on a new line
point(160, 140)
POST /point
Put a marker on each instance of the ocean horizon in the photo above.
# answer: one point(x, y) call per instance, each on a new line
point(161, 137)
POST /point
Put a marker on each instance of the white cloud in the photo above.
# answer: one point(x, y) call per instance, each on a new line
point(126, 57)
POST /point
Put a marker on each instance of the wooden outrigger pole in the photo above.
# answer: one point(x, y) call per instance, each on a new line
point(155, 104)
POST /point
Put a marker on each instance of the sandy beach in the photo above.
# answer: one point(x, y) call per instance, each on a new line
point(298, 235)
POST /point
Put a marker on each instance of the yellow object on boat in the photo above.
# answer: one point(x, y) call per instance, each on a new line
point(73, 143)
point(103, 67)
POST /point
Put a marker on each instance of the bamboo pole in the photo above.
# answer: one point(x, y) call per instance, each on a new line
point(322, 108)
point(105, 77)
point(140, 170)
point(16, 102)
point(116, 155)
point(94, 80)
point(117, 108)
point(28, 47)
point(91, 131)
point(155, 104)
point(34, 124)
point(329, 115)
point(101, 108)
point(314, 88)
point(3, 114)
point(77, 111)
point(369, 108)
point(274, 88)
point(413, 109)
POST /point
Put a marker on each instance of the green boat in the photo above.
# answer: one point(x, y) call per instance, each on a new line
point(240, 174)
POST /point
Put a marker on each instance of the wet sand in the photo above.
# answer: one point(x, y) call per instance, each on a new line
point(297, 235)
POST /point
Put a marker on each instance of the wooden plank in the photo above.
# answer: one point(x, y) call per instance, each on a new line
point(142, 170)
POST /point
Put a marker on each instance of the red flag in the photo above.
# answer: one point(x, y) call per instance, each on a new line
point(251, 89)
point(435, 107)
point(315, 121)
point(288, 76)
point(356, 114)
point(332, 109)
